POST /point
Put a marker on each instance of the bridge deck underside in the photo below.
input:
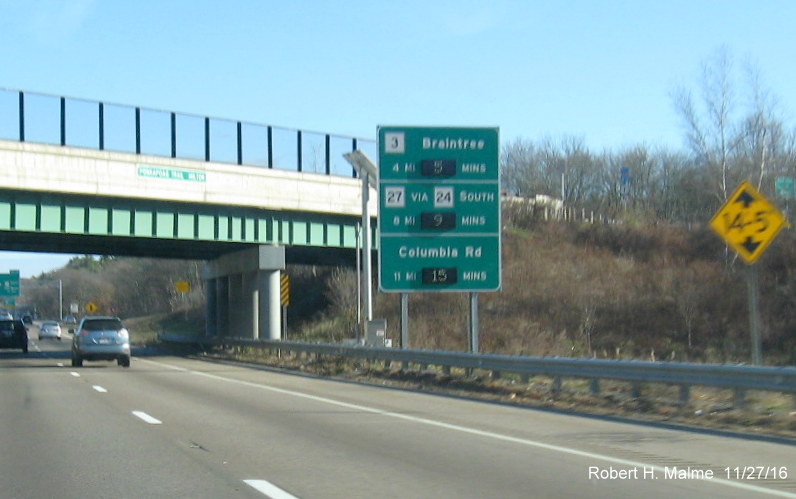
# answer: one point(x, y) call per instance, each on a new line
point(50, 222)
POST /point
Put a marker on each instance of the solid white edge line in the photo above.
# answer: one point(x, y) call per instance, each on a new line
point(99, 389)
point(146, 417)
point(269, 489)
point(481, 433)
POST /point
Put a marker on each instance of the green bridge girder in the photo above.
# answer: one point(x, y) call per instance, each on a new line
point(55, 222)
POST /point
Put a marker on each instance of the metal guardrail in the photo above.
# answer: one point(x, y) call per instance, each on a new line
point(49, 119)
point(736, 377)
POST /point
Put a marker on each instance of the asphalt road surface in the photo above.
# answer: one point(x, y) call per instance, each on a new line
point(171, 427)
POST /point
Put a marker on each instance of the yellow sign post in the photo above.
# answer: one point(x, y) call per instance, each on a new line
point(284, 299)
point(748, 222)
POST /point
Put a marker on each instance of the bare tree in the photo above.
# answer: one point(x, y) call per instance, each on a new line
point(710, 133)
point(518, 168)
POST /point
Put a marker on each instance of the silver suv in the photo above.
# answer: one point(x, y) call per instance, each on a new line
point(100, 338)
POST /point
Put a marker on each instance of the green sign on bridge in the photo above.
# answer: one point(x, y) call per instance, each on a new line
point(439, 209)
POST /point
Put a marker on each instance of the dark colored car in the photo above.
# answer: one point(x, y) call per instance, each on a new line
point(13, 334)
point(100, 338)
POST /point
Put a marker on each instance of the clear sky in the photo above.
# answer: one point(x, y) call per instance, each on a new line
point(600, 70)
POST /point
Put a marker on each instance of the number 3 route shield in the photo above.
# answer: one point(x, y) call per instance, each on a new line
point(748, 222)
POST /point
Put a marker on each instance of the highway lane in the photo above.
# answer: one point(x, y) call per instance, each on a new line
point(220, 430)
point(60, 438)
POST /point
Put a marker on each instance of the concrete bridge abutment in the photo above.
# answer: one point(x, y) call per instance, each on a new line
point(243, 293)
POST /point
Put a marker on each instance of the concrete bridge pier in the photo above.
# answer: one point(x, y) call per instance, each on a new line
point(242, 291)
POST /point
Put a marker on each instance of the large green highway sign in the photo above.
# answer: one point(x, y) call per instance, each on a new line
point(439, 209)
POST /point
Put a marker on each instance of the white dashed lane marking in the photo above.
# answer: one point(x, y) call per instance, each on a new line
point(269, 489)
point(146, 417)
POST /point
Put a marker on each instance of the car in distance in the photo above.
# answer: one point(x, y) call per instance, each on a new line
point(13, 334)
point(49, 329)
point(27, 319)
point(70, 319)
point(100, 338)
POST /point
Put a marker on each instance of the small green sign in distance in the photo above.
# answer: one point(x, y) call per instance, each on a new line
point(9, 284)
point(439, 209)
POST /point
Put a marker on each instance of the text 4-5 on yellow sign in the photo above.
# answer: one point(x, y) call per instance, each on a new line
point(748, 222)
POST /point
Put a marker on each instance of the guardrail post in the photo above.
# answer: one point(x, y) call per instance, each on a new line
point(556, 384)
point(496, 374)
point(685, 394)
point(635, 391)
point(595, 386)
point(739, 398)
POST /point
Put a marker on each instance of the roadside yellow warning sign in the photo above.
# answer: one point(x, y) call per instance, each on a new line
point(748, 222)
point(285, 290)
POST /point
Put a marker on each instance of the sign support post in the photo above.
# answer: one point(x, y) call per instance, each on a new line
point(753, 285)
point(474, 347)
point(404, 320)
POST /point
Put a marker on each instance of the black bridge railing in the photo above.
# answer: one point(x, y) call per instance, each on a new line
point(48, 119)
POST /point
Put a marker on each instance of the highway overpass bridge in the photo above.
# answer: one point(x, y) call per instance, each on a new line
point(97, 178)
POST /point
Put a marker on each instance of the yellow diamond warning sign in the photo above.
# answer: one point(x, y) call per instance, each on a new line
point(748, 222)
